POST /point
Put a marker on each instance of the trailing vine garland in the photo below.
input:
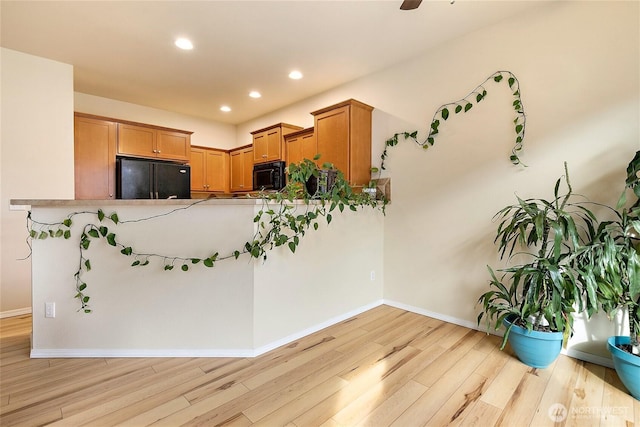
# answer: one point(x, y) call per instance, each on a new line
point(281, 221)
point(463, 106)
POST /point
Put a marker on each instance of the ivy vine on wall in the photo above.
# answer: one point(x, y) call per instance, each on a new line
point(464, 105)
point(285, 216)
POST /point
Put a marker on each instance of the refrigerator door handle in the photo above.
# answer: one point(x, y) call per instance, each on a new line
point(156, 194)
point(151, 194)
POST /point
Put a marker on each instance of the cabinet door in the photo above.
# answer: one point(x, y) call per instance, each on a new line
point(94, 158)
point(236, 160)
point(308, 147)
point(274, 144)
point(216, 170)
point(198, 182)
point(332, 136)
point(260, 147)
point(247, 167)
point(172, 145)
point(136, 140)
point(294, 149)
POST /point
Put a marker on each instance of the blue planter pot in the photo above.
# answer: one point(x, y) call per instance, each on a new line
point(533, 348)
point(627, 365)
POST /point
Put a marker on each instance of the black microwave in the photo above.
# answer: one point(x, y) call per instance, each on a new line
point(269, 176)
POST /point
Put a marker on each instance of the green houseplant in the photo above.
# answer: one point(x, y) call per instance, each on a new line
point(611, 263)
point(541, 293)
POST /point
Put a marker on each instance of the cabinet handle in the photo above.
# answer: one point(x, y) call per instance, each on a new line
point(264, 156)
point(158, 151)
point(155, 151)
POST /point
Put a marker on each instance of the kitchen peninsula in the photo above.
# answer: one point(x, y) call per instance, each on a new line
point(239, 307)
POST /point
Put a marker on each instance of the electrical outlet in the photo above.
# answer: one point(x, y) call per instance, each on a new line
point(373, 275)
point(49, 309)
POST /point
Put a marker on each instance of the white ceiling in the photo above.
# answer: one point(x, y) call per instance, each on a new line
point(124, 49)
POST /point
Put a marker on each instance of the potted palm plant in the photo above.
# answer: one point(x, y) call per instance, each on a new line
point(535, 299)
point(611, 263)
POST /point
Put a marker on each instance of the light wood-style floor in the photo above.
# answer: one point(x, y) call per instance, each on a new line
point(383, 367)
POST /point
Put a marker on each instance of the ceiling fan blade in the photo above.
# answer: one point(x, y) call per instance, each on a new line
point(410, 4)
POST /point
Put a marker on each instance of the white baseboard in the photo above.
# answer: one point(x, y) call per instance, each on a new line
point(296, 336)
point(97, 353)
point(16, 312)
point(439, 316)
point(61, 353)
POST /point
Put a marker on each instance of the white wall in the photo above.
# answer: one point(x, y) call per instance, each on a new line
point(578, 66)
point(237, 308)
point(37, 157)
point(205, 132)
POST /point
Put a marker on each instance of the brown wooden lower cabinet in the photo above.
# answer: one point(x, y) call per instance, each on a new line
point(94, 158)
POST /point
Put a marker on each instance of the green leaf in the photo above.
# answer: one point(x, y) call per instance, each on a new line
point(511, 81)
point(185, 267)
point(67, 222)
point(85, 299)
point(479, 97)
point(292, 247)
point(134, 263)
point(146, 262)
point(67, 234)
point(329, 218)
point(85, 243)
point(104, 231)
point(458, 108)
point(168, 267)
point(111, 239)
point(114, 218)
point(127, 251)
point(468, 107)
point(236, 254)
point(195, 260)
point(87, 265)
point(33, 234)
point(208, 262)
point(59, 233)
point(519, 128)
point(445, 113)
point(316, 157)
point(497, 78)
point(93, 233)
point(82, 287)
point(100, 215)
point(315, 225)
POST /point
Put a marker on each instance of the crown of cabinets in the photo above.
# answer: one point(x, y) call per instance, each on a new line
point(268, 143)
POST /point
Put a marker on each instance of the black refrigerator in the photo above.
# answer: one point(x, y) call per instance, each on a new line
point(147, 179)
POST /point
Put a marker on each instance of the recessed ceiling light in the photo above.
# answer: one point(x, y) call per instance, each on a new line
point(255, 94)
point(295, 75)
point(184, 44)
point(225, 108)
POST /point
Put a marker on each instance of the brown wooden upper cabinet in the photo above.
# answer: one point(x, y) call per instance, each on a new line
point(94, 157)
point(268, 143)
point(241, 160)
point(153, 142)
point(209, 170)
point(343, 137)
point(300, 145)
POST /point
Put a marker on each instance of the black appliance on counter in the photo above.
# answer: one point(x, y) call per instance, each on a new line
point(269, 176)
point(148, 179)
